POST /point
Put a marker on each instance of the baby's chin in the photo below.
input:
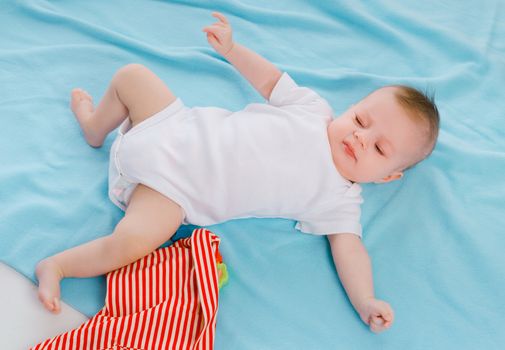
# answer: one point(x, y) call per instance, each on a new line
point(348, 175)
point(360, 178)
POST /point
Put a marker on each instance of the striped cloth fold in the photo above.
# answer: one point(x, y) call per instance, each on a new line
point(166, 300)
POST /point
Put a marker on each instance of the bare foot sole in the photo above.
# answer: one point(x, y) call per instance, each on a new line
point(49, 276)
point(81, 104)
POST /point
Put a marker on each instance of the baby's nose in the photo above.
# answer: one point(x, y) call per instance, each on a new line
point(361, 139)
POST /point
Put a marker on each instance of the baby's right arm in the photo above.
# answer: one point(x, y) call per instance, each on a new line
point(262, 74)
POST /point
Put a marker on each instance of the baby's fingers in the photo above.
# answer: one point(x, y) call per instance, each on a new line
point(379, 324)
point(377, 328)
point(383, 310)
point(377, 320)
point(212, 39)
point(388, 314)
point(220, 17)
point(214, 29)
point(219, 34)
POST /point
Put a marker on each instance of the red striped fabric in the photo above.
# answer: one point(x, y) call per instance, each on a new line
point(166, 300)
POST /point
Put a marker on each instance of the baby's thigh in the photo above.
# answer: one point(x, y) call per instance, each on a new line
point(142, 92)
point(150, 220)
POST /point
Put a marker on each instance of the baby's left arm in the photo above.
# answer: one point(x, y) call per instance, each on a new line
point(355, 272)
point(262, 74)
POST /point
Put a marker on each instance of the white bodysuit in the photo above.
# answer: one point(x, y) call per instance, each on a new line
point(268, 160)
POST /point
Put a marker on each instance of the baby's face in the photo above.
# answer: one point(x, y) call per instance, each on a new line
point(374, 140)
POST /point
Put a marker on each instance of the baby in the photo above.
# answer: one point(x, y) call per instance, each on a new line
point(287, 158)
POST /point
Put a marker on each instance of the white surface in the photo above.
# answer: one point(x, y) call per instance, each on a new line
point(24, 322)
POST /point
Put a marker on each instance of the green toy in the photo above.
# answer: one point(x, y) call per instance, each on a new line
point(222, 271)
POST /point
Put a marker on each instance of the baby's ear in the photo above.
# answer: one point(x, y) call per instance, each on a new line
point(393, 176)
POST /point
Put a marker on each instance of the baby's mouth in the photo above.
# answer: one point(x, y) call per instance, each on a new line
point(349, 150)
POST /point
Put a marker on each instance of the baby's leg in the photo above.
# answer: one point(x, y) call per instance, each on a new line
point(134, 91)
point(150, 220)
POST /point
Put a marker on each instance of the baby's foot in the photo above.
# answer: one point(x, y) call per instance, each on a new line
point(81, 104)
point(49, 276)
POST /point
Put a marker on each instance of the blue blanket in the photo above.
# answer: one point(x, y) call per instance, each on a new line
point(436, 238)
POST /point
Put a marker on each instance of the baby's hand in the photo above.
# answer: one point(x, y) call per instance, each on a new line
point(219, 34)
point(377, 314)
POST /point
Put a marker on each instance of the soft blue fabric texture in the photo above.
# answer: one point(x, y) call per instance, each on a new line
point(436, 238)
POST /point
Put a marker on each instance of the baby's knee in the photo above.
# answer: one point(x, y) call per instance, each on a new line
point(131, 71)
point(128, 241)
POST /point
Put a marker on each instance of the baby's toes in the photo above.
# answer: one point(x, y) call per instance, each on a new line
point(56, 308)
point(79, 95)
point(51, 303)
point(85, 95)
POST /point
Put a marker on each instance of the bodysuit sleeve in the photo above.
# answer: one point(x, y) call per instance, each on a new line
point(287, 93)
point(342, 216)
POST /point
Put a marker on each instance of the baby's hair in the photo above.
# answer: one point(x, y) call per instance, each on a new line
point(423, 109)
